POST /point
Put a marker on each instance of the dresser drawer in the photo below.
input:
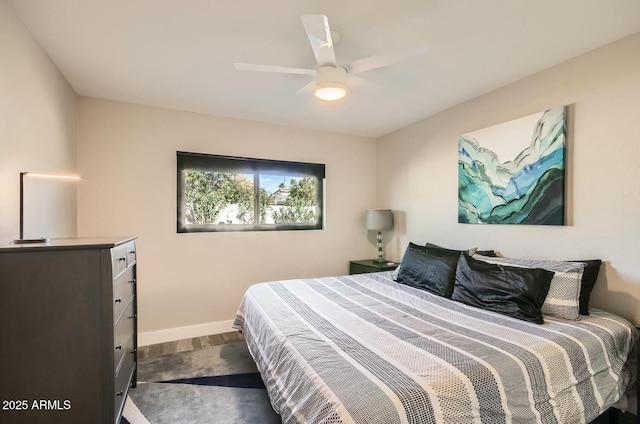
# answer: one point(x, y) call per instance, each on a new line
point(118, 259)
point(122, 381)
point(59, 294)
point(123, 333)
point(123, 289)
point(130, 248)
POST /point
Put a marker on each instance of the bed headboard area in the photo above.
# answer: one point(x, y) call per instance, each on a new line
point(524, 288)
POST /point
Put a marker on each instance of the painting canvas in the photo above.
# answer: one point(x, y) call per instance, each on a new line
point(513, 173)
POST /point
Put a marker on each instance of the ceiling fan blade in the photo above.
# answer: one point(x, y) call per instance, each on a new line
point(319, 33)
point(307, 89)
point(269, 68)
point(361, 82)
point(381, 60)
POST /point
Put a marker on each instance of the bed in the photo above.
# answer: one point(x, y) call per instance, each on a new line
point(367, 349)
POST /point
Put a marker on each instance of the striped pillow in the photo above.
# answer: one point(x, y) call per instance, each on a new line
point(563, 299)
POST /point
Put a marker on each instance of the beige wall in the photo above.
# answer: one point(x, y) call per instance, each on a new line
point(126, 157)
point(127, 160)
point(417, 171)
point(37, 120)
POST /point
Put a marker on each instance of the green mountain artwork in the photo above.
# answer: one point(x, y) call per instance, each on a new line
point(526, 190)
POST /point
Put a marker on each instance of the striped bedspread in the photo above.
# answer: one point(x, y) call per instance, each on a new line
point(364, 349)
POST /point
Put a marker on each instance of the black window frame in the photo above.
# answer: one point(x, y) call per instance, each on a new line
point(219, 163)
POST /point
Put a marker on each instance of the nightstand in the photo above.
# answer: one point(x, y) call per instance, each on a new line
point(370, 265)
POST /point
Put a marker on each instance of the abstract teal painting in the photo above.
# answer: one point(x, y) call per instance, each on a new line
point(514, 172)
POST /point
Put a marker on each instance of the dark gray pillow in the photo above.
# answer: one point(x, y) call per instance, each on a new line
point(490, 253)
point(513, 291)
point(429, 268)
point(563, 299)
point(589, 277)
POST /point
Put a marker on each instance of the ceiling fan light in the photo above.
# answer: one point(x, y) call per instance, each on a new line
point(330, 82)
point(330, 91)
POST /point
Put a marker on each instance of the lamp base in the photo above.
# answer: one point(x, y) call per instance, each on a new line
point(30, 241)
point(379, 261)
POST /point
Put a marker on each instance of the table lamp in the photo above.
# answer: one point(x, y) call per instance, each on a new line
point(378, 220)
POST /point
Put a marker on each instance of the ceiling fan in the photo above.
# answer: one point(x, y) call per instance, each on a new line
point(329, 76)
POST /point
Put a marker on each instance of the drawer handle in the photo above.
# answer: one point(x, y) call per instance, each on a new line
point(119, 347)
point(133, 252)
point(122, 259)
point(119, 300)
point(132, 281)
point(134, 316)
point(120, 393)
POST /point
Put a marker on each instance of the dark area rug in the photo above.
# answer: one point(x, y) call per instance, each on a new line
point(219, 384)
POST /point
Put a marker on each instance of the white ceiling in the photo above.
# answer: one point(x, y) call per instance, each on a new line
point(179, 54)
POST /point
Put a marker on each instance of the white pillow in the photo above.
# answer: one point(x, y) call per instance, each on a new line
point(394, 273)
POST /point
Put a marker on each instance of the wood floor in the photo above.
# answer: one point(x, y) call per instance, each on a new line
point(185, 345)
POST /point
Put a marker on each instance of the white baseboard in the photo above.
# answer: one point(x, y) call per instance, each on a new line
point(179, 333)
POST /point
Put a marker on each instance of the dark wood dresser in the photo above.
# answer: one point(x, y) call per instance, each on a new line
point(68, 330)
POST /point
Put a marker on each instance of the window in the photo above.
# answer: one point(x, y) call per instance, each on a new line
point(224, 193)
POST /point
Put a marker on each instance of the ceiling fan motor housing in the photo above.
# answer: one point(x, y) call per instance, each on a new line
point(330, 74)
point(330, 82)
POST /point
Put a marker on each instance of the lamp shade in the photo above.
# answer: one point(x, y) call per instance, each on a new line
point(379, 219)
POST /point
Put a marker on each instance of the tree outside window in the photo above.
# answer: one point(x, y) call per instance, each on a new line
point(220, 193)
